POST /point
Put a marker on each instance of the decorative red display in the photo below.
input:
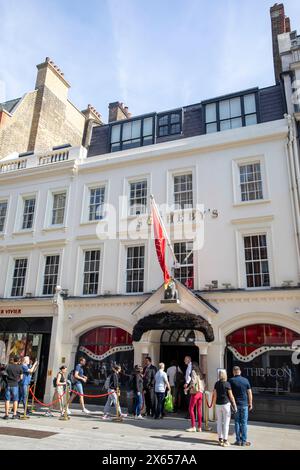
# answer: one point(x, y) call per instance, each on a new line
point(101, 339)
point(248, 339)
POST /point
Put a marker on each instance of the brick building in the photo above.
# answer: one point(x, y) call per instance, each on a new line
point(44, 118)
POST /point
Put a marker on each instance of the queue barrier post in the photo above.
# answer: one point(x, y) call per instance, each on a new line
point(206, 412)
point(25, 416)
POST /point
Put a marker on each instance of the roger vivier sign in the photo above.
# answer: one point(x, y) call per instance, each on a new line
point(10, 311)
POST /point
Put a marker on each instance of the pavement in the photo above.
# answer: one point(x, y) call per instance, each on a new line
point(92, 432)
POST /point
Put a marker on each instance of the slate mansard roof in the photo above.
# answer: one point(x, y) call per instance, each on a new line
point(270, 107)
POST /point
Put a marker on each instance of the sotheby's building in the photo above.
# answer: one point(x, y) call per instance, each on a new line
point(79, 275)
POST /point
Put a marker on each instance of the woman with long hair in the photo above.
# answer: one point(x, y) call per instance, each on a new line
point(196, 388)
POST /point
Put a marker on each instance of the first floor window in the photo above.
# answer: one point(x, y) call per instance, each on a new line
point(28, 214)
point(91, 272)
point(51, 274)
point(251, 182)
point(58, 211)
point(138, 197)
point(19, 277)
point(3, 210)
point(185, 258)
point(135, 269)
point(256, 258)
point(96, 203)
point(183, 191)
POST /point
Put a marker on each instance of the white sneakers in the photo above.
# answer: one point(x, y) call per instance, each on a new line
point(87, 412)
point(139, 417)
point(191, 430)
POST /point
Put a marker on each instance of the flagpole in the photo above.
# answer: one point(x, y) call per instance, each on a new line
point(152, 200)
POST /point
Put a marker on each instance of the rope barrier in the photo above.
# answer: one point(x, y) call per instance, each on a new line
point(208, 405)
point(91, 396)
point(46, 405)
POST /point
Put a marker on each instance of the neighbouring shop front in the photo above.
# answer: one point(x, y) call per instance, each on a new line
point(264, 353)
point(28, 336)
point(102, 348)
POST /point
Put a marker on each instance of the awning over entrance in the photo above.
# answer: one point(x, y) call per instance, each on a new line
point(173, 321)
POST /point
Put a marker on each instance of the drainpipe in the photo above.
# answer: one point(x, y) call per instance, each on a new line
point(295, 201)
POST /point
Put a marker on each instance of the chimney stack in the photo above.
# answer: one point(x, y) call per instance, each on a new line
point(117, 112)
point(280, 24)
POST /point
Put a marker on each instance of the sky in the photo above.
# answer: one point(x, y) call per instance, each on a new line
point(153, 55)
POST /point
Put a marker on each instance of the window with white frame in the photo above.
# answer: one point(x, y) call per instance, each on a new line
point(91, 272)
point(256, 259)
point(135, 269)
point(28, 213)
point(58, 209)
point(96, 203)
point(138, 197)
point(185, 258)
point(251, 182)
point(50, 274)
point(19, 276)
point(3, 211)
point(183, 191)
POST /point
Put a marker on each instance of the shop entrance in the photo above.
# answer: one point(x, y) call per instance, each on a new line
point(175, 345)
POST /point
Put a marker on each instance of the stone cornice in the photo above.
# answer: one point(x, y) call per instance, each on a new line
point(248, 296)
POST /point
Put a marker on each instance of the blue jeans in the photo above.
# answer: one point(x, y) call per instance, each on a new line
point(12, 393)
point(23, 392)
point(160, 400)
point(138, 403)
point(241, 421)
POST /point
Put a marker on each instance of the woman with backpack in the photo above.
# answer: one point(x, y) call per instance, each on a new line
point(112, 384)
point(196, 388)
point(61, 385)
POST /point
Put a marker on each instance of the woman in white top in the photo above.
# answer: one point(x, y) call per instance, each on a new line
point(161, 384)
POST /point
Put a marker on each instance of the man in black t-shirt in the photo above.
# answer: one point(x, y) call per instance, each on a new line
point(14, 374)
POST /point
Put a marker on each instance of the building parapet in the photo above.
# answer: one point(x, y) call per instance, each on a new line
point(10, 164)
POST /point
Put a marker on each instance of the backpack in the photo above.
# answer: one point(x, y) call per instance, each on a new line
point(55, 382)
point(71, 377)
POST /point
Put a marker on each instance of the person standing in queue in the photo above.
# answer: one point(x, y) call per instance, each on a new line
point(188, 376)
point(161, 386)
point(223, 398)
point(137, 384)
point(149, 372)
point(113, 388)
point(196, 389)
point(79, 380)
point(28, 371)
point(14, 375)
point(242, 393)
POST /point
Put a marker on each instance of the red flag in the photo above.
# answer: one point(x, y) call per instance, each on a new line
point(160, 243)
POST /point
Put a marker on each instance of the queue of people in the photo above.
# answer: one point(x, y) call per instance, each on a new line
point(150, 387)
